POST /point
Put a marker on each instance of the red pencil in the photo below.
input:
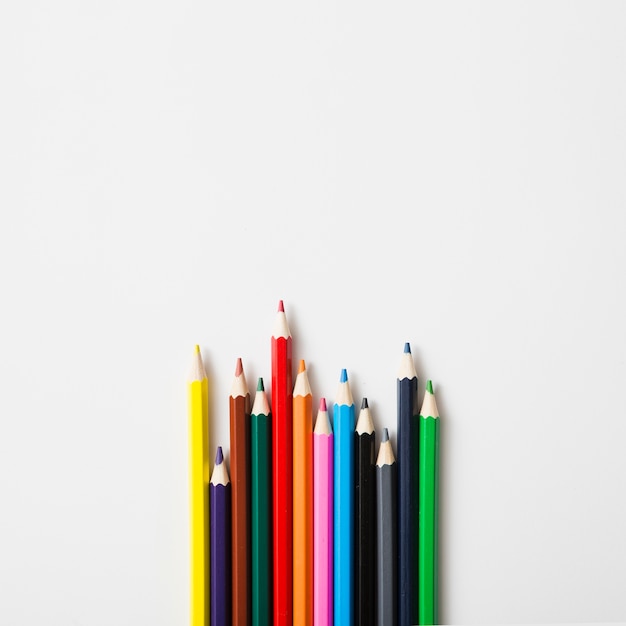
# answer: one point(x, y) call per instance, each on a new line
point(282, 463)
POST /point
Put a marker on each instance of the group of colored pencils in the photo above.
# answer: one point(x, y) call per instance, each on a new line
point(311, 527)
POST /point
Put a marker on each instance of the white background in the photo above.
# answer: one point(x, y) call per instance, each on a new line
point(444, 174)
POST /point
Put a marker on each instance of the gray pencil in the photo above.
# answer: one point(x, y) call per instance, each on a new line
point(386, 535)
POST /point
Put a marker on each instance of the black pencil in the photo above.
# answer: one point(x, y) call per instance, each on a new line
point(365, 517)
point(386, 535)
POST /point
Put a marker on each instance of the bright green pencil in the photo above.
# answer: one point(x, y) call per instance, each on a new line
point(261, 479)
point(428, 504)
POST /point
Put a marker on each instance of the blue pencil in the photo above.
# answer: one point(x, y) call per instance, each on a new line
point(344, 418)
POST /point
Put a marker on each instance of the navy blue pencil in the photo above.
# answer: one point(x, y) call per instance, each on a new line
point(219, 498)
point(407, 464)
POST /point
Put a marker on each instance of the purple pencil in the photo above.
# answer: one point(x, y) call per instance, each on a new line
point(219, 498)
point(323, 519)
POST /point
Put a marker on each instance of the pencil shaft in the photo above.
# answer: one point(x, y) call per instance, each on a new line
point(407, 468)
point(386, 546)
point(323, 530)
point(261, 483)
point(344, 515)
point(282, 467)
point(240, 480)
point(428, 505)
point(365, 536)
point(220, 499)
point(199, 505)
point(303, 509)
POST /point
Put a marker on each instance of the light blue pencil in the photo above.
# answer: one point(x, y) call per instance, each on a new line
point(344, 418)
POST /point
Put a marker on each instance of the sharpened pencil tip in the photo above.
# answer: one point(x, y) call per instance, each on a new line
point(429, 386)
point(323, 404)
point(301, 366)
point(364, 404)
point(197, 349)
point(281, 306)
point(344, 376)
point(385, 436)
point(407, 347)
point(259, 385)
point(219, 457)
point(239, 367)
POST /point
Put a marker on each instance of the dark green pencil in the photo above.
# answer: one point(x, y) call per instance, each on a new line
point(261, 479)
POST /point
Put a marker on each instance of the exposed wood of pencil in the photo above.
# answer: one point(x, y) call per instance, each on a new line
point(386, 533)
point(302, 499)
point(282, 468)
point(240, 480)
point(365, 515)
point(198, 492)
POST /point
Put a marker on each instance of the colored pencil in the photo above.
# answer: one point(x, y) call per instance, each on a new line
point(240, 479)
point(261, 479)
point(407, 485)
point(386, 532)
point(344, 504)
point(220, 498)
point(365, 517)
point(198, 492)
point(282, 468)
point(428, 505)
point(302, 499)
point(323, 519)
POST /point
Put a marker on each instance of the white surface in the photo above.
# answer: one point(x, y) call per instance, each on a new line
point(444, 174)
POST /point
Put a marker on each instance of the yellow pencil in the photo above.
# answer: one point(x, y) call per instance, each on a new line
point(198, 491)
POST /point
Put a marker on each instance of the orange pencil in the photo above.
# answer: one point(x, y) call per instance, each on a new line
point(303, 499)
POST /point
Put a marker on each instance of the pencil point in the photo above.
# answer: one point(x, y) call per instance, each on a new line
point(259, 386)
point(364, 423)
point(302, 386)
point(240, 385)
point(429, 406)
point(219, 457)
point(385, 452)
point(344, 376)
point(281, 328)
point(322, 423)
point(197, 367)
point(407, 366)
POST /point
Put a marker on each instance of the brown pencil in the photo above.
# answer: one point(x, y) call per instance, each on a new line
point(240, 481)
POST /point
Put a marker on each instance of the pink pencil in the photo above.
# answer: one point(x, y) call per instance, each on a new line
point(323, 519)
